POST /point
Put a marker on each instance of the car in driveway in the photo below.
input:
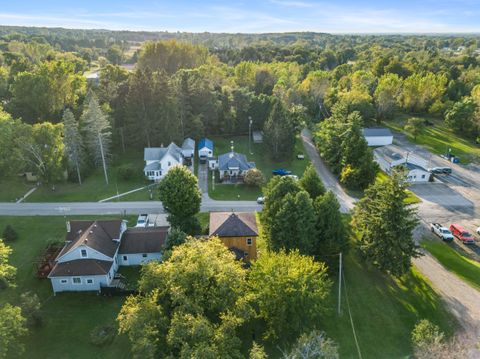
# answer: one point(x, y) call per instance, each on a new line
point(261, 200)
point(442, 232)
point(462, 234)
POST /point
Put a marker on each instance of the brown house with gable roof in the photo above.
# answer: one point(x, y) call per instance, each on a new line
point(238, 231)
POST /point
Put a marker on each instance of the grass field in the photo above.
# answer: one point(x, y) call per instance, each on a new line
point(67, 315)
point(438, 138)
point(94, 187)
point(262, 161)
point(464, 267)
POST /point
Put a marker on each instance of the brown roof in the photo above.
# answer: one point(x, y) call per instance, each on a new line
point(233, 224)
point(81, 267)
point(98, 235)
point(143, 240)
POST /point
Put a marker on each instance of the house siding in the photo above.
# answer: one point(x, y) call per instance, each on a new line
point(205, 152)
point(137, 259)
point(379, 140)
point(76, 254)
point(241, 243)
point(69, 286)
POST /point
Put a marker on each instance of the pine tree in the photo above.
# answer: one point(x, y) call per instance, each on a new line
point(97, 134)
point(311, 183)
point(279, 130)
point(73, 143)
point(385, 224)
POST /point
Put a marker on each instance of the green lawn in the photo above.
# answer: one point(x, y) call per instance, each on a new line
point(67, 315)
point(384, 311)
point(438, 138)
point(464, 267)
point(12, 189)
point(94, 187)
point(262, 161)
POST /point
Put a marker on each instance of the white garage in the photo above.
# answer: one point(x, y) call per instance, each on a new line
point(378, 136)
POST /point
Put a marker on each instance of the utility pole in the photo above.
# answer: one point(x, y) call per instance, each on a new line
point(103, 157)
point(249, 134)
point(339, 282)
point(213, 180)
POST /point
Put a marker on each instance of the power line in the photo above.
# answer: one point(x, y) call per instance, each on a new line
point(351, 319)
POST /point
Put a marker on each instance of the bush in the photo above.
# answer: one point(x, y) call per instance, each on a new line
point(9, 234)
point(127, 172)
point(31, 309)
point(254, 177)
point(426, 333)
point(102, 335)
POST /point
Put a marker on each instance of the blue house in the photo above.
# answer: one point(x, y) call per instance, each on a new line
point(205, 149)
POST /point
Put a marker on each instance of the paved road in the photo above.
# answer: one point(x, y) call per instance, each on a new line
point(329, 180)
point(114, 208)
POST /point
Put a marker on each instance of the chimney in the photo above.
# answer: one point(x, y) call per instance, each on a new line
point(69, 227)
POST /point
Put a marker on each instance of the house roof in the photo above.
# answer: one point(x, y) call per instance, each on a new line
point(152, 167)
point(188, 144)
point(412, 166)
point(81, 267)
point(157, 153)
point(98, 235)
point(143, 240)
point(389, 153)
point(376, 132)
point(205, 142)
point(233, 224)
point(234, 160)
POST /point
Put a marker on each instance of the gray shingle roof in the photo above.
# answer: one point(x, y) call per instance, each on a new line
point(143, 240)
point(188, 144)
point(152, 166)
point(234, 160)
point(377, 132)
point(157, 153)
point(81, 267)
point(98, 235)
point(233, 224)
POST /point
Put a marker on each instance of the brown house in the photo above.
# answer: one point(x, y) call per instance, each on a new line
point(238, 231)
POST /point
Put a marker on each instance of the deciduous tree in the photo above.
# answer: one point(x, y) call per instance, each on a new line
point(12, 329)
point(311, 183)
point(7, 271)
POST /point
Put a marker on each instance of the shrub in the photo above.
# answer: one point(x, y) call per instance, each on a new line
point(254, 177)
point(127, 172)
point(31, 309)
point(102, 335)
point(9, 234)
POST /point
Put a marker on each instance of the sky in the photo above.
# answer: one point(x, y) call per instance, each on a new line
point(335, 16)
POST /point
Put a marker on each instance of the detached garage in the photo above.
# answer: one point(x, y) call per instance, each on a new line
point(378, 136)
point(142, 245)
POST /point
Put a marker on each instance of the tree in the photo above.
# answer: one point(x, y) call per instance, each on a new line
point(30, 305)
point(45, 151)
point(96, 132)
point(461, 118)
point(257, 352)
point(115, 54)
point(181, 198)
point(12, 329)
point(191, 304)
point(384, 223)
point(386, 95)
point(73, 143)
point(278, 132)
point(7, 271)
point(314, 345)
point(9, 234)
point(254, 177)
point(288, 293)
point(415, 126)
point(331, 237)
point(293, 226)
point(175, 238)
point(311, 183)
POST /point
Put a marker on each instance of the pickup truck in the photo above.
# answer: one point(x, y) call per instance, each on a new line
point(442, 232)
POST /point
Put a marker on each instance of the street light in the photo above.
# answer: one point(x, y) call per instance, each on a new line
point(249, 134)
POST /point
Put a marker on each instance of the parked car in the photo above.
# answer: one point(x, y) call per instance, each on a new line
point(300, 156)
point(462, 234)
point(142, 220)
point(442, 232)
point(294, 177)
point(441, 170)
point(261, 200)
point(281, 172)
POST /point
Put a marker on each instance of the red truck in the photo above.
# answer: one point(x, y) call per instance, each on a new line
point(462, 234)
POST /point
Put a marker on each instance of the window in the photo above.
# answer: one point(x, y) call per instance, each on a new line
point(77, 280)
point(89, 281)
point(423, 176)
point(249, 241)
point(144, 255)
point(125, 258)
point(169, 163)
point(63, 281)
point(83, 253)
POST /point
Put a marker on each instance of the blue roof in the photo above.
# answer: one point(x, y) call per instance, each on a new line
point(205, 142)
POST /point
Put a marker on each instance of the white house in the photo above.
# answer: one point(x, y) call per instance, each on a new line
point(188, 148)
point(389, 157)
point(205, 149)
point(378, 136)
point(233, 165)
point(90, 257)
point(159, 160)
